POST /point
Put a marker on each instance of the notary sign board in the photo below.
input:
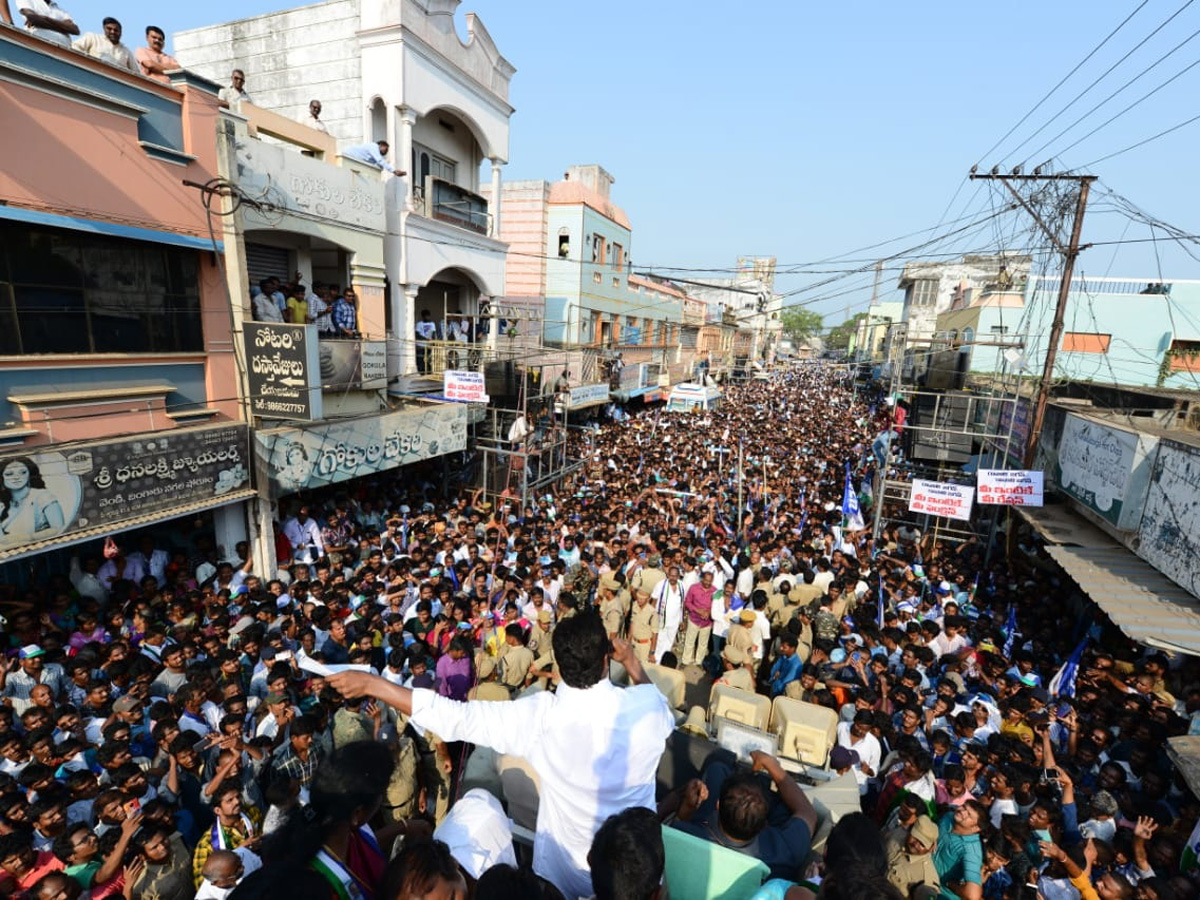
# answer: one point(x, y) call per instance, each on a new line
point(941, 498)
point(284, 366)
point(1010, 487)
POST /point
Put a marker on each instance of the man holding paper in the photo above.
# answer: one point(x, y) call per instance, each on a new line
point(595, 746)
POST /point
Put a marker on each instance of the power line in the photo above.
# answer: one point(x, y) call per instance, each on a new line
point(1102, 76)
point(1142, 143)
point(1052, 90)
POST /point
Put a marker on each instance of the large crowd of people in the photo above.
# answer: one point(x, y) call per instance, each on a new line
point(175, 725)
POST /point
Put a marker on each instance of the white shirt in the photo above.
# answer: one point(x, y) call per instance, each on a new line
point(156, 565)
point(98, 46)
point(761, 629)
point(313, 122)
point(868, 751)
point(134, 571)
point(266, 309)
point(233, 96)
point(50, 10)
point(596, 751)
point(302, 536)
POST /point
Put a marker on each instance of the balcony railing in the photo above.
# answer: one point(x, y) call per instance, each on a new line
point(435, 357)
point(448, 202)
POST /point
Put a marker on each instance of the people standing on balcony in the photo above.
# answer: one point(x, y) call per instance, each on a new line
point(47, 20)
point(314, 117)
point(373, 154)
point(427, 331)
point(297, 304)
point(235, 94)
point(266, 306)
point(345, 315)
point(320, 311)
point(108, 47)
point(151, 60)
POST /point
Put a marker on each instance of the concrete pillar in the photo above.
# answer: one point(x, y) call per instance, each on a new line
point(407, 314)
point(497, 167)
point(404, 160)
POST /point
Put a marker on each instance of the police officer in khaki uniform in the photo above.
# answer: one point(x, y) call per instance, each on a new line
point(910, 856)
point(647, 578)
point(514, 668)
point(736, 675)
point(643, 626)
point(740, 635)
point(539, 634)
point(610, 606)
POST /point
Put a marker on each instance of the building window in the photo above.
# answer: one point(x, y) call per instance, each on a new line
point(1184, 356)
point(598, 248)
point(1085, 342)
point(596, 277)
point(564, 243)
point(999, 329)
point(618, 255)
point(924, 292)
point(72, 292)
point(616, 281)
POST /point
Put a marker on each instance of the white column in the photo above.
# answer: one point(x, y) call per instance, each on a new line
point(497, 167)
point(229, 525)
point(408, 346)
point(404, 158)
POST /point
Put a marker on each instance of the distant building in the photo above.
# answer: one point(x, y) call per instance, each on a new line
point(930, 287)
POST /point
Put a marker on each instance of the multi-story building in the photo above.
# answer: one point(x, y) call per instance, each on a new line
point(748, 302)
point(118, 376)
point(570, 245)
point(398, 72)
point(1122, 331)
point(930, 287)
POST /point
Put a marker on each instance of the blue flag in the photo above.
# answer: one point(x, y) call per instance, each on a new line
point(1010, 631)
point(1063, 683)
point(850, 510)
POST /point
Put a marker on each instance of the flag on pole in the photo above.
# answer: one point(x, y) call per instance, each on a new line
point(882, 603)
point(1010, 631)
point(850, 510)
point(1063, 683)
point(1191, 852)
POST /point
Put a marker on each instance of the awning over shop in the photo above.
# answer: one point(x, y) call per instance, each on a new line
point(1145, 604)
point(1184, 752)
point(1140, 600)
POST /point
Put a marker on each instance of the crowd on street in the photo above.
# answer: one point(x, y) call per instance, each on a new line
point(176, 725)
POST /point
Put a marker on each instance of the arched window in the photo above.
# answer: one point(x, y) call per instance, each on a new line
point(378, 120)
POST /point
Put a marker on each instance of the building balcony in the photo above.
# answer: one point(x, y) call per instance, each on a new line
point(448, 202)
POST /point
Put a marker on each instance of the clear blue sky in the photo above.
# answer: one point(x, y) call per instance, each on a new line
point(806, 130)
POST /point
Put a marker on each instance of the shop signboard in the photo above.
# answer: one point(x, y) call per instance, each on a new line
point(283, 364)
point(59, 493)
point(352, 364)
point(467, 387)
point(587, 395)
point(941, 498)
point(305, 458)
point(1010, 487)
point(1105, 468)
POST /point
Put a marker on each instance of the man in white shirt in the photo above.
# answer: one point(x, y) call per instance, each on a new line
point(108, 47)
point(594, 745)
point(304, 536)
point(235, 94)
point(45, 19)
point(857, 736)
point(314, 117)
point(373, 154)
point(153, 562)
point(667, 597)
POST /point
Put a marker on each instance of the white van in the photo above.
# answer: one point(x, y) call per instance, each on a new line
point(690, 396)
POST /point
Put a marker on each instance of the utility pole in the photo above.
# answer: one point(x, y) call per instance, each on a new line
point(1070, 253)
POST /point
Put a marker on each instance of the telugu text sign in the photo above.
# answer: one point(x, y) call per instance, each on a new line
point(1010, 487)
point(104, 483)
point(283, 364)
point(465, 387)
point(305, 458)
point(941, 498)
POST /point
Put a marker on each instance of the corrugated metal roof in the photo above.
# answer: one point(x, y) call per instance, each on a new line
point(1140, 600)
point(1184, 752)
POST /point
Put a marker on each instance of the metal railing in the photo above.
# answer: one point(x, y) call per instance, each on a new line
point(449, 202)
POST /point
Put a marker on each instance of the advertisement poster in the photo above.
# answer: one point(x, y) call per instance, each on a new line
point(44, 495)
point(283, 365)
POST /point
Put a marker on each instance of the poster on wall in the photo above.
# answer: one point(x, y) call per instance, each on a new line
point(301, 459)
point(54, 493)
point(352, 365)
point(941, 498)
point(284, 369)
point(1010, 487)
